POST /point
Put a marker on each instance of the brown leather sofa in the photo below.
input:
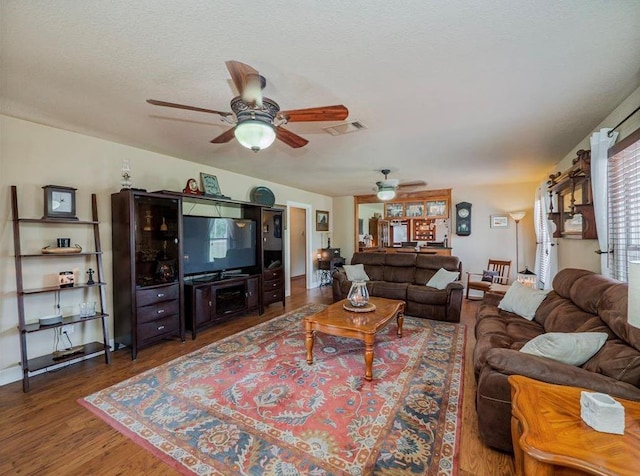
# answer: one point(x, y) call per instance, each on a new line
point(581, 301)
point(404, 276)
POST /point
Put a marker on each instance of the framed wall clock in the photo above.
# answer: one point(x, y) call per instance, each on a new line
point(59, 202)
point(463, 219)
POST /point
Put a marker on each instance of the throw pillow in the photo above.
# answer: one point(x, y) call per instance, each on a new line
point(355, 272)
point(489, 275)
point(571, 348)
point(442, 278)
point(522, 300)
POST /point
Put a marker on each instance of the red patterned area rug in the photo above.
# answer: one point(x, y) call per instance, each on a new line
point(251, 405)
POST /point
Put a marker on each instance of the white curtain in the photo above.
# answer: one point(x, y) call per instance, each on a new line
point(546, 249)
point(600, 143)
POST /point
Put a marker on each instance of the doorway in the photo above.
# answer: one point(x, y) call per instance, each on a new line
point(298, 233)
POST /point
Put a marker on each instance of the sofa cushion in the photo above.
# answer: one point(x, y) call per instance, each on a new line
point(426, 295)
point(617, 360)
point(355, 272)
point(573, 348)
point(399, 267)
point(389, 290)
point(442, 278)
point(522, 300)
point(428, 265)
point(373, 264)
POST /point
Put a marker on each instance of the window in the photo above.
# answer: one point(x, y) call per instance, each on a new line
point(624, 204)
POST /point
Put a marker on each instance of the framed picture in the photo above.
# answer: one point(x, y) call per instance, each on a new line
point(393, 210)
point(437, 209)
point(414, 209)
point(499, 221)
point(210, 184)
point(322, 220)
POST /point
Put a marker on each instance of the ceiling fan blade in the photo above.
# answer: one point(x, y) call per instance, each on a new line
point(247, 81)
point(289, 138)
point(323, 113)
point(226, 136)
point(416, 183)
point(188, 108)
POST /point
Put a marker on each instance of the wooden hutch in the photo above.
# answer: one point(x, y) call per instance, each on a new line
point(574, 216)
point(421, 212)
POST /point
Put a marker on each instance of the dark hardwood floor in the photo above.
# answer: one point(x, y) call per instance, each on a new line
point(46, 432)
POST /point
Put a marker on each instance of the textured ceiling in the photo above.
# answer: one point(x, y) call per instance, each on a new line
point(452, 92)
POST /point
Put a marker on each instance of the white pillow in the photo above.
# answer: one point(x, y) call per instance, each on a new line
point(522, 300)
point(442, 278)
point(355, 272)
point(570, 348)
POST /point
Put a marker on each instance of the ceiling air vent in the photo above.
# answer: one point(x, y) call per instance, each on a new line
point(345, 128)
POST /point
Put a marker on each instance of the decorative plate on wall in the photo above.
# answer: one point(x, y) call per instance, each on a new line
point(263, 196)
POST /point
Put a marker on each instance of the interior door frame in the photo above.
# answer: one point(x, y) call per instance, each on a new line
point(308, 243)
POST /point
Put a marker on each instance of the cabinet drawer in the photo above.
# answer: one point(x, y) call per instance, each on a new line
point(150, 331)
point(272, 296)
point(272, 285)
point(272, 274)
point(157, 311)
point(144, 297)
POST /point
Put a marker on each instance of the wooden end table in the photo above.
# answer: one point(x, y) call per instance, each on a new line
point(550, 437)
point(337, 321)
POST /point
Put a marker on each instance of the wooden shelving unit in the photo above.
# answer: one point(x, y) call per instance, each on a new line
point(91, 348)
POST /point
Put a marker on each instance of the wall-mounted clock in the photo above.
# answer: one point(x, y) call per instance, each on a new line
point(463, 219)
point(59, 202)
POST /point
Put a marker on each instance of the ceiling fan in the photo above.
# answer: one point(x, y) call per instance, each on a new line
point(257, 120)
point(387, 188)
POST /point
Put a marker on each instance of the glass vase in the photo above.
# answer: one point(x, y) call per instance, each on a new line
point(358, 294)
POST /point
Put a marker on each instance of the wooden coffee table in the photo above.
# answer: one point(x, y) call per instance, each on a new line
point(549, 436)
point(337, 321)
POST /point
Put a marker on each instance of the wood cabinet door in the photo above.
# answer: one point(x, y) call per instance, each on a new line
point(202, 305)
point(253, 293)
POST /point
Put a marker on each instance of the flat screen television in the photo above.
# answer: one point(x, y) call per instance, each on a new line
point(216, 244)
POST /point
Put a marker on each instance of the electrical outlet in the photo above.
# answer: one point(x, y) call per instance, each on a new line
point(68, 329)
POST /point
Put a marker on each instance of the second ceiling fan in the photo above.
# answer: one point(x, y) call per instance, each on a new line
point(386, 189)
point(257, 120)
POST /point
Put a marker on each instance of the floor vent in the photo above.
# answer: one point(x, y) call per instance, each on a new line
point(345, 128)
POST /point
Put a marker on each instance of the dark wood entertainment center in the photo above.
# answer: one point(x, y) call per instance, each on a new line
point(153, 298)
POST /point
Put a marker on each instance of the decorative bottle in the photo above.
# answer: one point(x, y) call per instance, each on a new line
point(358, 294)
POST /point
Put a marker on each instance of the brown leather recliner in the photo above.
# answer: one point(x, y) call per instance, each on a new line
point(581, 301)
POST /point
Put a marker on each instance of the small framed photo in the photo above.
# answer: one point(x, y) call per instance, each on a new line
point(393, 210)
point(437, 209)
point(322, 220)
point(414, 209)
point(499, 221)
point(210, 184)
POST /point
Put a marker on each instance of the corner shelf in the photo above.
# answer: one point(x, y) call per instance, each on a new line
point(88, 349)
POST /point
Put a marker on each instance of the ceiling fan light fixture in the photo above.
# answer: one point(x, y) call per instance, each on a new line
point(386, 193)
point(255, 134)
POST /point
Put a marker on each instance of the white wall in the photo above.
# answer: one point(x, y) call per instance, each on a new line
point(32, 155)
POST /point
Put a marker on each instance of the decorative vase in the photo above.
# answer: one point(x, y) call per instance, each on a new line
point(358, 294)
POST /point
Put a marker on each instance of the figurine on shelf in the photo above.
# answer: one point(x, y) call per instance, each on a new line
point(147, 221)
point(90, 272)
point(192, 187)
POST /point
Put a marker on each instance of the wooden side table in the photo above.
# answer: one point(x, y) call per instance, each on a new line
point(550, 437)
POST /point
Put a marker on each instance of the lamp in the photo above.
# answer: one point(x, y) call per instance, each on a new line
point(386, 192)
point(633, 303)
point(517, 216)
point(255, 134)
